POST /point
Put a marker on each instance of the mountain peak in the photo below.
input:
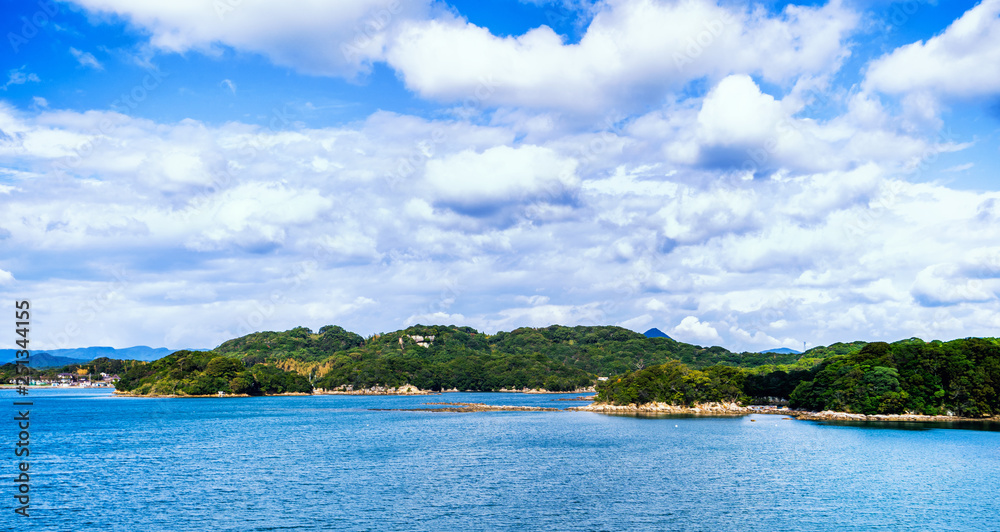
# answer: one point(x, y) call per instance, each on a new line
point(783, 351)
point(656, 333)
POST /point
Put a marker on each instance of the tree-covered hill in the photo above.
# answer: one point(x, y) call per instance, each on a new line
point(207, 373)
point(910, 375)
point(444, 357)
point(960, 377)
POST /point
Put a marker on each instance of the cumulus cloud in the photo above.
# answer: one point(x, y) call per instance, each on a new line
point(477, 182)
point(86, 59)
point(18, 76)
point(956, 63)
point(631, 49)
point(519, 218)
point(740, 128)
point(693, 330)
point(316, 37)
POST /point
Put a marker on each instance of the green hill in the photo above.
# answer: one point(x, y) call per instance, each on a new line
point(207, 373)
point(960, 377)
point(558, 358)
point(435, 357)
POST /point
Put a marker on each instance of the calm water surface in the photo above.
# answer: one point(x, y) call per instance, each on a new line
point(330, 463)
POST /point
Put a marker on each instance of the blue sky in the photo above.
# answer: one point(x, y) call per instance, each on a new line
point(751, 175)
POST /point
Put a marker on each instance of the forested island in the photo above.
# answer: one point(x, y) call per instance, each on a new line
point(958, 377)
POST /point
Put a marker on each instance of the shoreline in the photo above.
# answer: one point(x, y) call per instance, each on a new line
point(214, 396)
point(47, 387)
point(709, 409)
point(320, 391)
point(470, 407)
point(830, 415)
point(734, 409)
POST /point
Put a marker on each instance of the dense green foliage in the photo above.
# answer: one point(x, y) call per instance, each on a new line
point(94, 368)
point(207, 373)
point(675, 383)
point(297, 344)
point(961, 376)
point(458, 358)
point(554, 358)
point(10, 371)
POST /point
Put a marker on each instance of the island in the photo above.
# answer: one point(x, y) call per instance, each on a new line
point(624, 370)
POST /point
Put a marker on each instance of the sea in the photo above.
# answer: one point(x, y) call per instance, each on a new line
point(99, 462)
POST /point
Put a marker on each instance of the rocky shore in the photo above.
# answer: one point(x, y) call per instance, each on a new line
point(409, 389)
point(224, 396)
point(705, 409)
point(830, 415)
point(406, 389)
point(734, 409)
point(470, 407)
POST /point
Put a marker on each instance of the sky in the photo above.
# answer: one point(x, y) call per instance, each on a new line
point(750, 175)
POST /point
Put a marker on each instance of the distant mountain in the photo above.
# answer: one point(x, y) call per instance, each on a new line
point(783, 351)
point(656, 333)
point(86, 354)
point(45, 360)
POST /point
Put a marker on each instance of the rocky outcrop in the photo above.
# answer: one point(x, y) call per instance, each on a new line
point(830, 415)
point(471, 407)
point(406, 389)
point(709, 409)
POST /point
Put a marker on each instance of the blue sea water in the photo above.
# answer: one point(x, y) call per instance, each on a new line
point(330, 463)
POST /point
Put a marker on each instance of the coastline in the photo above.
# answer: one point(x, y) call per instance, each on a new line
point(734, 409)
point(830, 415)
point(215, 396)
point(703, 409)
point(470, 407)
point(413, 390)
point(48, 387)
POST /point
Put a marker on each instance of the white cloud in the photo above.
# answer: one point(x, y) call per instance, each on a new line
point(693, 330)
point(501, 175)
point(86, 59)
point(632, 50)
point(740, 128)
point(637, 323)
point(281, 228)
point(959, 62)
point(17, 76)
point(943, 285)
point(316, 37)
point(959, 168)
point(228, 83)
